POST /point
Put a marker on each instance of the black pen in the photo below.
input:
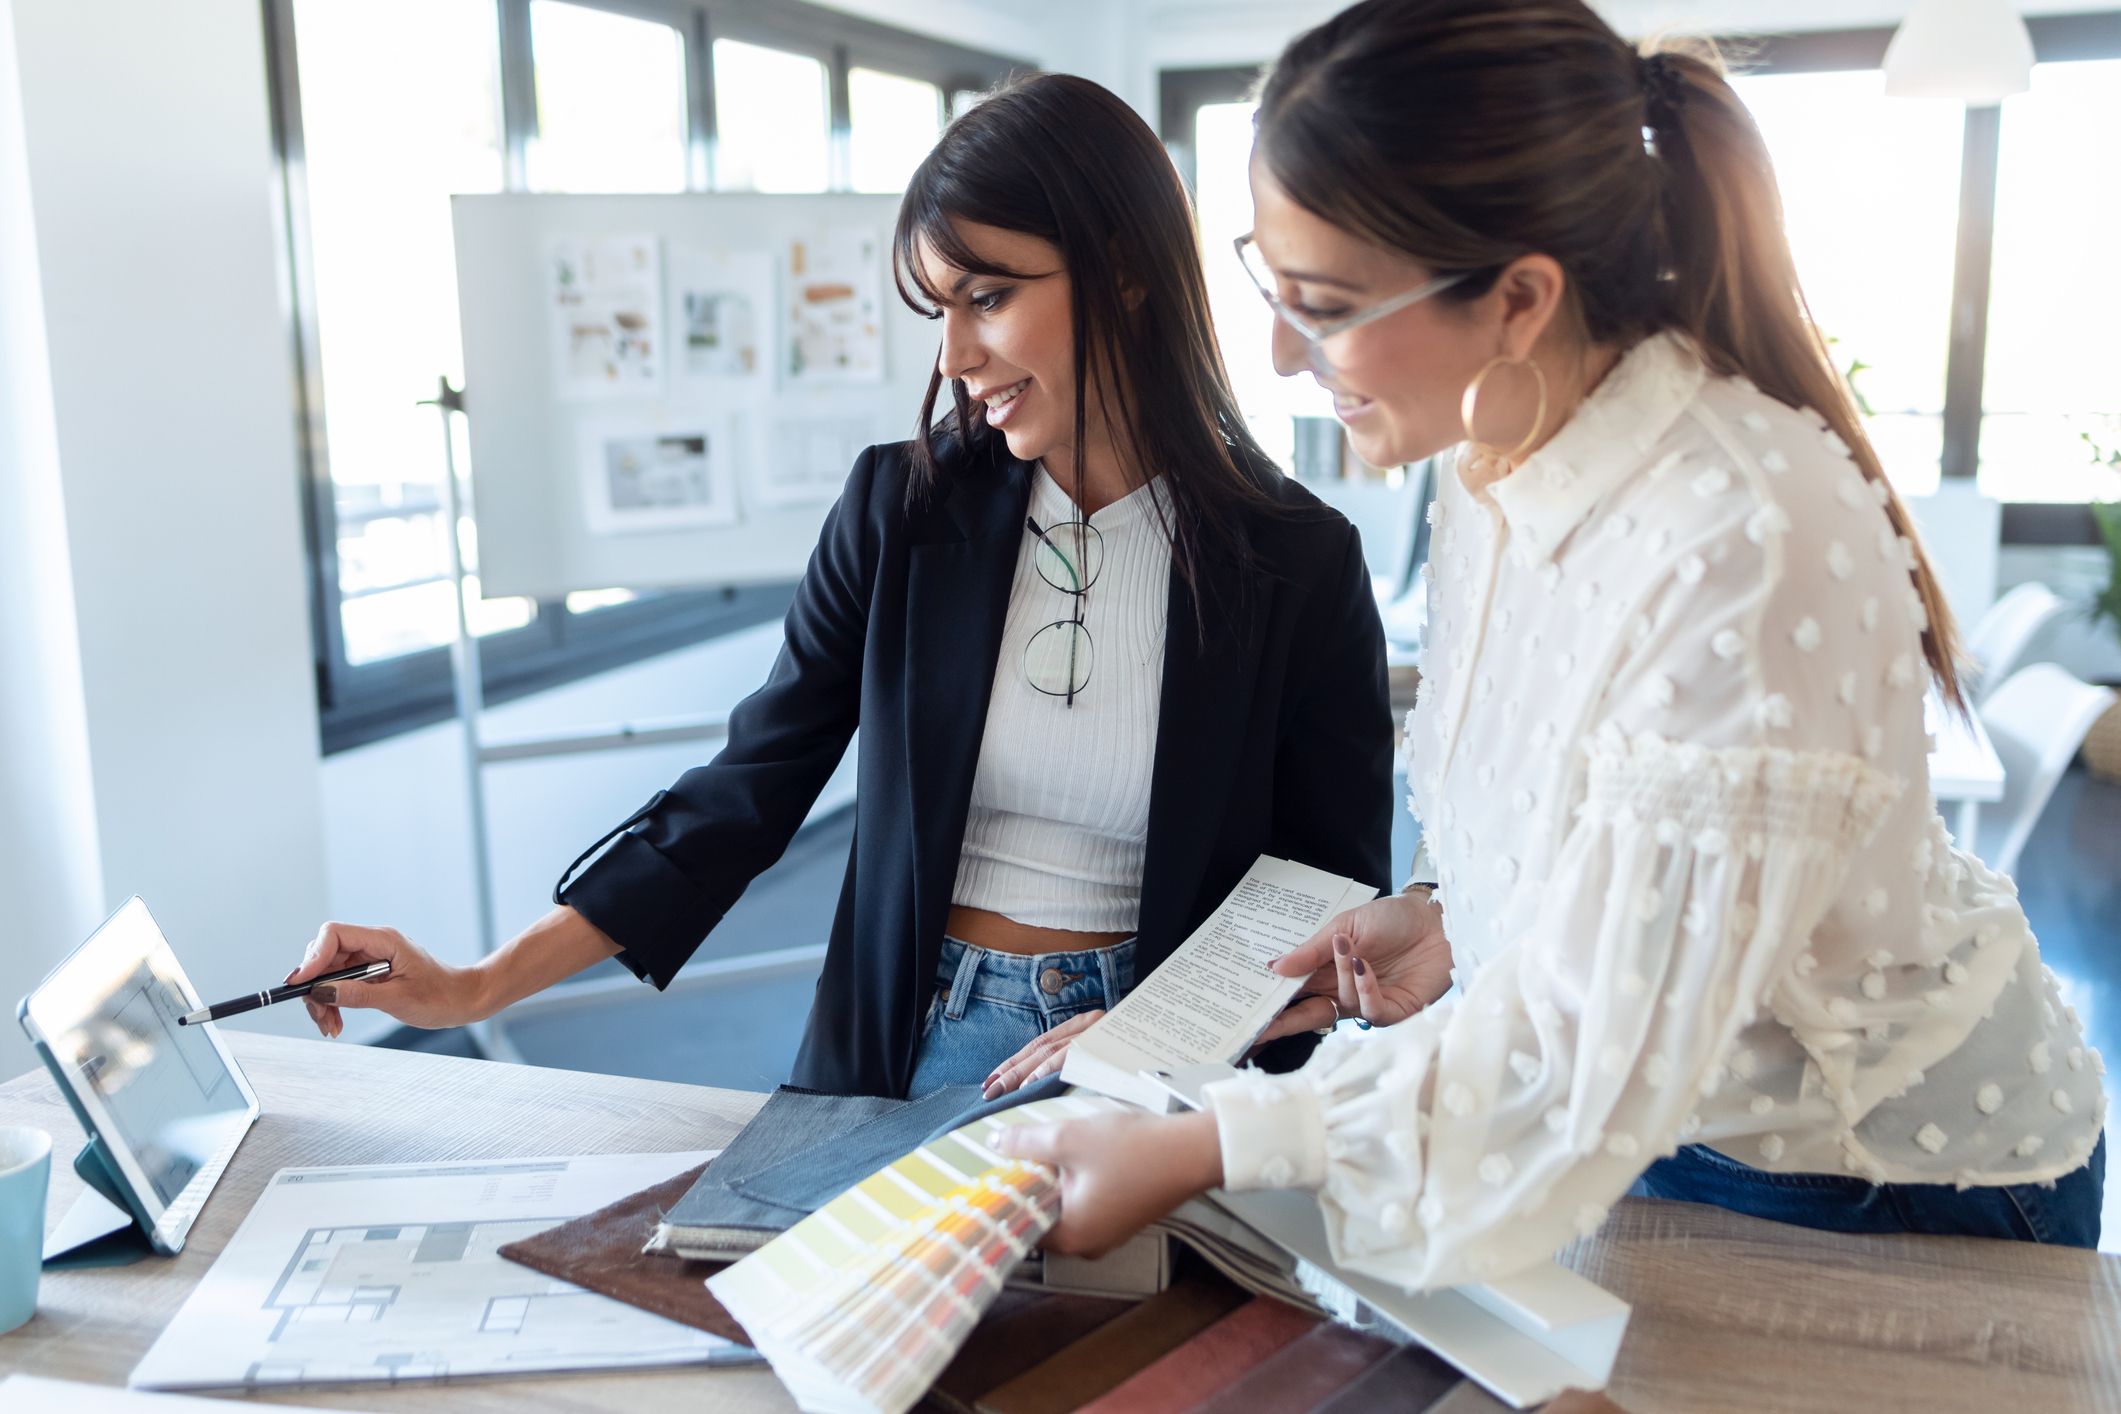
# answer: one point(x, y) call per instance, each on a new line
point(366, 972)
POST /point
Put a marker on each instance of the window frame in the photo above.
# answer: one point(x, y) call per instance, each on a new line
point(362, 703)
point(2056, 39)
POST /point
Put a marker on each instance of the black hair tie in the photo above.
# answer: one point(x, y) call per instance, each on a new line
point(1664, 86)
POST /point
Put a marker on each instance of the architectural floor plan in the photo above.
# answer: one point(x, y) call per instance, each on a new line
point(394, 1273)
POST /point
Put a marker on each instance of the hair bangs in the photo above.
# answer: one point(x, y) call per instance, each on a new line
point(928, 217)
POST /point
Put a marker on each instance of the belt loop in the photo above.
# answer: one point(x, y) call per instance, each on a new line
point(1108, 970)
point(961, 984)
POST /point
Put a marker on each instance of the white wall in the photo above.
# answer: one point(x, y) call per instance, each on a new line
point(48, 863)
point(146, 144)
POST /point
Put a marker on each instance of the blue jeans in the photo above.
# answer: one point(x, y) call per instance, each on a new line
point(2064, 1214)
point(990, 1005)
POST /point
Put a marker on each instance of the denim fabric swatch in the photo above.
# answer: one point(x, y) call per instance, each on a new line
point(791, 1122)
point(805, 1181)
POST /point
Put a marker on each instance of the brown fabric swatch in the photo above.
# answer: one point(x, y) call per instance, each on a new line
point(1071, 1378)
point(1207, 1363)
point(602, 1252)
point(1410, 1381)
point(1580, 1401)
point(1022, 1328)
point(1303, 1374)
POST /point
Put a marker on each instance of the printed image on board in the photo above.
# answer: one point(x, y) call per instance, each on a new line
point(638, 478)
point(722, 301)
point(810, 458)
point(835, 329)
point(605, 308)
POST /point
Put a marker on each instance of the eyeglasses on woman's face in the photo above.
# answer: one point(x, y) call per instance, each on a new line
point(1316, 332)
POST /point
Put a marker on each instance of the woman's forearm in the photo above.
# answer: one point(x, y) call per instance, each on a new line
point(550, 950)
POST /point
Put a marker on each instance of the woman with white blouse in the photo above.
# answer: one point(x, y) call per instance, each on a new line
point(1711, 939)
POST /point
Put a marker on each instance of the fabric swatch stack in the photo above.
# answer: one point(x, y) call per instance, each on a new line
point(881, 1270)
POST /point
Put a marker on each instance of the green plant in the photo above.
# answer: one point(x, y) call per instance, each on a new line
point(2102, 456)
point(1848, 376)
point(2106, 607)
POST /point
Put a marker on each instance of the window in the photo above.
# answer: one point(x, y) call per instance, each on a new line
point(896, 121)
point(611, 102)
point(384, 110)
point(2054, 358)
point(1870, 194)
point(381, 165)
point(775, 111)
point(1222, 146)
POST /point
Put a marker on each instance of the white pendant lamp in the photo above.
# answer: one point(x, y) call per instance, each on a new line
point(1975, 51)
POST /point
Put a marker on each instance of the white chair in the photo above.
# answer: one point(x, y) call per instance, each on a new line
point(2007, 630)
point(2036, 720)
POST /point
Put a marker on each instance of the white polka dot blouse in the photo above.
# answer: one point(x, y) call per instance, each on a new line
point(1671, 769)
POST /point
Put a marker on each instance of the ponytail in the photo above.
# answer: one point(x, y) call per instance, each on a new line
point(1469, 133)
point(1734, 288)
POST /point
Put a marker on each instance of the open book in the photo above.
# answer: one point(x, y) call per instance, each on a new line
point(1211, 998)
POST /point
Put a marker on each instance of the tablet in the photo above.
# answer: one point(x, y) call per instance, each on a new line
point(166, 1104)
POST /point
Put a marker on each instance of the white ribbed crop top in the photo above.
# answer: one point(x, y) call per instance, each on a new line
point(1060, 798)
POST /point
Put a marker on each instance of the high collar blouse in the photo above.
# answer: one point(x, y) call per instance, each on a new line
point(1671, 767)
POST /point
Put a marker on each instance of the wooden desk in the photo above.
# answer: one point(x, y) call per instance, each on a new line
point(1731, 1314)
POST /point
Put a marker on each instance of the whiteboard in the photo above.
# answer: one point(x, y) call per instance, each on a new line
point(667, 391)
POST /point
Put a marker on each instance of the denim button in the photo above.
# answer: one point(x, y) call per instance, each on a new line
point(1051, 981)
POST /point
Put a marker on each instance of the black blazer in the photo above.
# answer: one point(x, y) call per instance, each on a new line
point(1276, 738)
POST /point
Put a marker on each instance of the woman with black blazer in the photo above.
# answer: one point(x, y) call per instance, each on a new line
point(1101, 653)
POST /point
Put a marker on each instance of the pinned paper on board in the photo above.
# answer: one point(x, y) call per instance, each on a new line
point(638, 478)
point(605, 313)
point(723, 302)
point(834, 329)
point(810, 458)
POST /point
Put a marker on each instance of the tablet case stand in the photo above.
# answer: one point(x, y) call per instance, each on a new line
point(100, 1230)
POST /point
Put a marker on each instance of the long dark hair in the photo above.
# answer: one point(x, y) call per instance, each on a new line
point(1062, 159)
point(1468, 133)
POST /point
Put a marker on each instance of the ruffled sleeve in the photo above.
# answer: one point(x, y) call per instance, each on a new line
point(1477, 1138)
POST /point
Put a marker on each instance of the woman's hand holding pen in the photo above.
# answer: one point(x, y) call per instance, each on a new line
point(420, 990)
point(424, 991)
point(1381, 963)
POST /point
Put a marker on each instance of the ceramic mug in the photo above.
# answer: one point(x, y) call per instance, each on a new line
point(25, 1173)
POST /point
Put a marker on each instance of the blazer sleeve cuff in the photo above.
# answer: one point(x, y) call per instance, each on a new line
point(646, 905)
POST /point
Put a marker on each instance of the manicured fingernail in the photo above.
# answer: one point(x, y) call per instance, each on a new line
point(991, 1091)
point(1360, 970)
point(1341, 946)
point(326, 995)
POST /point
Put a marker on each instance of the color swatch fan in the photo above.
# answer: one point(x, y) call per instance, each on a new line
point(861, 1305)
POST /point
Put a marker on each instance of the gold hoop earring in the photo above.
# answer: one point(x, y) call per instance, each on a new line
point(1469, 405)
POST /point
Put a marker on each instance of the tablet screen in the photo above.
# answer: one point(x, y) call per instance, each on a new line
point(168, 1097)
